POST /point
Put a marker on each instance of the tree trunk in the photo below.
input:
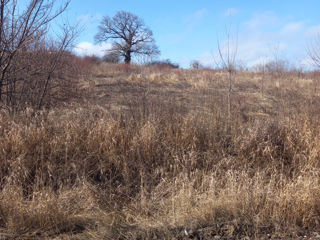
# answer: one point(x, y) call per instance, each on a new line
point(127, 57)
point(2, 6)
point(229, 94)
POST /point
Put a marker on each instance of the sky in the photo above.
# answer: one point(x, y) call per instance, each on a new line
point(187, 30)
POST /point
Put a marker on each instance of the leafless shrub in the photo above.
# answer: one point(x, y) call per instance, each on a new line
point(313, 51)
point(29, 60)
point(195, 64)
point(261, 68)
point(277, 67)
point(111, 57)
point(228, 60)
point(164, 64)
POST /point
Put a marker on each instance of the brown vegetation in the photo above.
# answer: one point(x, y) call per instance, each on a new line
point(150, 154)
point(34, 65)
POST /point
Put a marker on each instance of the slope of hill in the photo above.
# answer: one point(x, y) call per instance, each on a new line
point(151, 153)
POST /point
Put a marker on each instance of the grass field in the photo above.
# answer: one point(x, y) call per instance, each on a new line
point(150, 153)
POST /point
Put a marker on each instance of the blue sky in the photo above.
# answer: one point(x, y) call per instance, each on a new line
point(188, 30)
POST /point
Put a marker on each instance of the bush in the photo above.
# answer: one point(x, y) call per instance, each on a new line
point(195, 64)
point(164, 64)
point(111, 57)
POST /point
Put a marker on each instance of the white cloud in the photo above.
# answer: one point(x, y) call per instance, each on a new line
point(292, 28)
point(261, 20)
point(84, 19)
point(313, 31)
point(200, 13)
point(207, 59)
point(190, 22)
point(88, 24)
point(89, 49)
point(193, 19)
point(266, 35)
point(196, 16)
point(251, 41)
point(173, 38)
point(89, 20)
point(230, 12)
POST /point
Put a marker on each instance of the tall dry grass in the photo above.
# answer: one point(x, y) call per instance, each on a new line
point(160, 160)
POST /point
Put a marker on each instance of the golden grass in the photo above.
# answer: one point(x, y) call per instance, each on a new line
point(143, 158)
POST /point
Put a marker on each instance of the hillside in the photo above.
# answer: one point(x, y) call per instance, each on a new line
point(151, 153)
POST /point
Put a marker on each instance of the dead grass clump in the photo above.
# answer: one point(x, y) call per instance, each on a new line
point(45, 213)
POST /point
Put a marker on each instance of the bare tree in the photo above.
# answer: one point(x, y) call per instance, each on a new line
point(261, 68)
point(278, 66)
point(195, 64)
point(227, 55)
point(28, 58)
point(313, 51)
point(129, 34)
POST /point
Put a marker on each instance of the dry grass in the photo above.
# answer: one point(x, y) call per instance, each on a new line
point(151, 154)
